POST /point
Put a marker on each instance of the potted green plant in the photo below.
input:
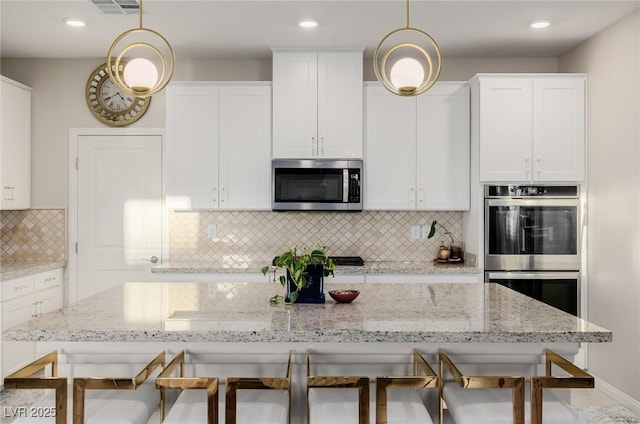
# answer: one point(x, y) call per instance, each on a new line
point(304, 274)
point(432, 231)
point(453, 252)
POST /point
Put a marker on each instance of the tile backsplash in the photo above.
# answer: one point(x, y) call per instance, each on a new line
point(261, 235)
point(33, 235)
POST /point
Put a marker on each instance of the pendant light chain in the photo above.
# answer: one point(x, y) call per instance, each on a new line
point(140, 13)
point(408, 26)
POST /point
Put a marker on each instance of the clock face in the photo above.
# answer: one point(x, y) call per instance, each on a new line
point(109, 104)
point(112, 98)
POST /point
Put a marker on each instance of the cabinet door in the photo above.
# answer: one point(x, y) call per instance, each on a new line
point(559, 129)
point(17, 287)
point(340, 105)
point(245, 147)
point(295, 104)
point(17, 311)
point(48, 279)
point(390, 162)
point(192, 147)
point(15, 146)
point(505, 129)
point(48, 300)
point(443, 148)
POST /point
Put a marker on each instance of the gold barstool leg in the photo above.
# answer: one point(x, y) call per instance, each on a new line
point(360, 383)
point(24, 379)
point(579, 379)
point(515, 383)
point(210, 384)
point(81, 385)
point(260, 383)
point(429, 380)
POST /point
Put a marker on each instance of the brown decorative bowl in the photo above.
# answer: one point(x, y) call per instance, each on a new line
point(344, 296)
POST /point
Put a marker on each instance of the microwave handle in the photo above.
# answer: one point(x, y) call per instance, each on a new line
point(345, 186)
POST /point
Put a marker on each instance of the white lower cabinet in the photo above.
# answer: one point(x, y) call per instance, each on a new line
point(23, 299)
point(417, 149)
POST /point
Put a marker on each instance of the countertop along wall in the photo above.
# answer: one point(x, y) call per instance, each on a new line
point(58, 103)
point(612, 60)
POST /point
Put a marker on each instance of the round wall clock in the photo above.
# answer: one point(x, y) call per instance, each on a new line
point(111, 105)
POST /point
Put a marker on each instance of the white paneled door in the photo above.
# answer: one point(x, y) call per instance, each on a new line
point(119, 210)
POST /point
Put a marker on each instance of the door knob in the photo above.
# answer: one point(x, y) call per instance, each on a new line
point(153, 259)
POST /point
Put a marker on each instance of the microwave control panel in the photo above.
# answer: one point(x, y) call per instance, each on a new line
point(354, 186)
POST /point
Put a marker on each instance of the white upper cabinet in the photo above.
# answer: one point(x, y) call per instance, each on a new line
point(317, 104)
point(15, 145)
point(443, 148)
point(417, 149)
point(559, 110)
point(390, 150)
point(218, 146)
point(192, 146)
point(530, 128)
point(245, 145)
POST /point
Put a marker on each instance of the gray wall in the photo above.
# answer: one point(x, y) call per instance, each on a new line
point(612, 60)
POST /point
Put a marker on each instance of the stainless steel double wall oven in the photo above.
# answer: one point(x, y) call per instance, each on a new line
point(532, 241)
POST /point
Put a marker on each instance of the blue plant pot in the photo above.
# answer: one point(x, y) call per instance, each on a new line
point(313, 291)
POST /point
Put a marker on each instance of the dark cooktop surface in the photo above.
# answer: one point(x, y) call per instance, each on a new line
point(343, 260)
point(348, 260)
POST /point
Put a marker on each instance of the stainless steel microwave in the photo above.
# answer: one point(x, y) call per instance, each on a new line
point(316, 185)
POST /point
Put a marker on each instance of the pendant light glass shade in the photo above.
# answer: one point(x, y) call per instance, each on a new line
point(407, 61)
point(406, 74)
point(140, 74)
point(149, 57)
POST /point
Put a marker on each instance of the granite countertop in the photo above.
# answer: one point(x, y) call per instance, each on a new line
point(240, 312)
point(369, 268)
point(11, 270)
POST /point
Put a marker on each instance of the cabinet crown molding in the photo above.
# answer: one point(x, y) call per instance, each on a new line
point(317, 49)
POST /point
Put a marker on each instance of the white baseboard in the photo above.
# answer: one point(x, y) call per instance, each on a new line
point(619, 396)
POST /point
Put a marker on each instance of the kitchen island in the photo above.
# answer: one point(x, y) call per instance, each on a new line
point(240, 312)
point(233, 324)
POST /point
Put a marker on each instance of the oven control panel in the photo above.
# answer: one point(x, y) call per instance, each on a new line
point(530, 191)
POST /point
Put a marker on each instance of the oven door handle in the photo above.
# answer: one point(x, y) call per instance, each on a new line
point(533, 202)
point(523, 234)
point(531, 275)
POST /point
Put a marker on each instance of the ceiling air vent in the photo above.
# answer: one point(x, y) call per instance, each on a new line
point(117, 7)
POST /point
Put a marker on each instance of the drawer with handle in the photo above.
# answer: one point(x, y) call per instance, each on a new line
point(45, 280)
point(17, 287)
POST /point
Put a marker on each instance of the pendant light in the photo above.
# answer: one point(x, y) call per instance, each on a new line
point(149, 58)
point(407, 61)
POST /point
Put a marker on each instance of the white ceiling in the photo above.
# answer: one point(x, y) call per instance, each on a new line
point(239, 28)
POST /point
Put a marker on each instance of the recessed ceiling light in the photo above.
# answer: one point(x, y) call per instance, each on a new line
point(540, 24)
point(308, 23)
point(75, 22)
